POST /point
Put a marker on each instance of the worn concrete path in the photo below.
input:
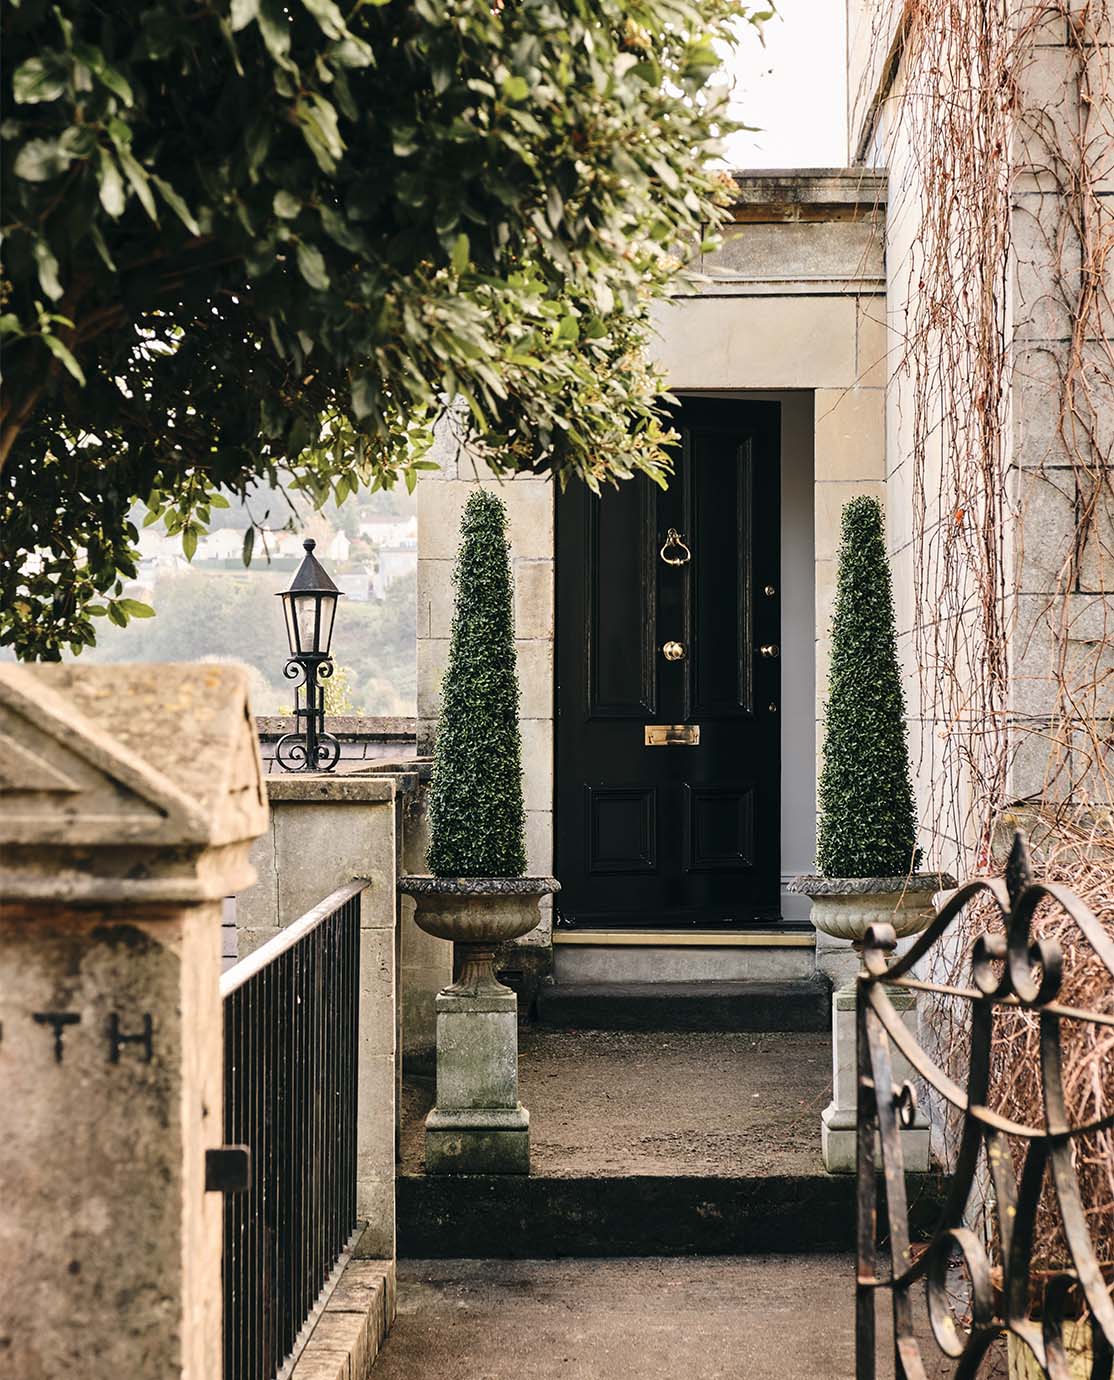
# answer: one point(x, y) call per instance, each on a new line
point(722, 1318)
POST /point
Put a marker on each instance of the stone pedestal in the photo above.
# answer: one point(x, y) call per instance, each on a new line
point(838, 1135)
point(478, 1125)
point(128, 799)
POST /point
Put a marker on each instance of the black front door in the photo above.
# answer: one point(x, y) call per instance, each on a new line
point(668, 684)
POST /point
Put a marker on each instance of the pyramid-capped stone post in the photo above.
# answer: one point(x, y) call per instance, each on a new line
point(129, 797)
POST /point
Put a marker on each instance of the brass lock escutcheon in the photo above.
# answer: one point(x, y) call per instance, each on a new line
point(674, 550)
point(673, 651)
point(769, 649)
point(672, 735)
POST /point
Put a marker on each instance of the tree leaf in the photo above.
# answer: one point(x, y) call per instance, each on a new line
point(286, 205)
point(41, 159)
point(328, 17)
point(134, 608)
point(47, 265)
point(312, 265)
point(249, 545)
point(110, 185)
point(138, 179)
point(274, 25)
point(97, 236)
point(176, 204)
point(35, 81)
point(59, 351)
point(243, 12)
point(189, 540)
point(462, 250)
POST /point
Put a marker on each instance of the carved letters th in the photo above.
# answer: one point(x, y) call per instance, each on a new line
point(118, 1037)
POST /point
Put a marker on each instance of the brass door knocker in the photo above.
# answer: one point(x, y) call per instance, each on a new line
point(675, 542)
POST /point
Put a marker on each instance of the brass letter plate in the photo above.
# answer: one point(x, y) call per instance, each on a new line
point(672, 735)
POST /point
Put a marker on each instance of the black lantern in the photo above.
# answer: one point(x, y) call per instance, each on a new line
point(309, 606)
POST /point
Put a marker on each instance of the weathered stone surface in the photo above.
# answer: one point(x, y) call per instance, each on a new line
point(838, 1134)
point(426, 961)
point(422, 885)
point(354, 1325)
point(326, 831)
point(850, 434)
point(86, 815)
point(757, 342)
point(112, 1069)
point(810, 884)
point(460, 1145)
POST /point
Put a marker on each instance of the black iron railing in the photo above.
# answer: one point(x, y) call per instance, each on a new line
point(291, 1026)
point(981, 1288)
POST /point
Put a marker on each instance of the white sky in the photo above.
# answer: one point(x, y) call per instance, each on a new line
point(793, 88)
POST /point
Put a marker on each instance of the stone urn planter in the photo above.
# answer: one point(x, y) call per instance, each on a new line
point(478, 914)
point(845, 908)
point(478, 1125)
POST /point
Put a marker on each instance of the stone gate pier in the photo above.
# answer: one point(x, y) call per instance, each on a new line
point(129, 796)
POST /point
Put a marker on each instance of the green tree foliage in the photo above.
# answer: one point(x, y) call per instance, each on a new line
point(270, 240)
point(868, 822)
point(476, 814)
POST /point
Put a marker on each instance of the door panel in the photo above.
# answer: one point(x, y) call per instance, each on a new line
point(680, 834)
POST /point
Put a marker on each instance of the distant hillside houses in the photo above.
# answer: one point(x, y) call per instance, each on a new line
point(394, 543)
point(398, 533)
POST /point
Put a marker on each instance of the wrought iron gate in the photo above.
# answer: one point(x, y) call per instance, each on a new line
point(1012, 969)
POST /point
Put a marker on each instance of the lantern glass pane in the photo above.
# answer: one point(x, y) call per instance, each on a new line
point(328, 609)
point(291, 628)
point(305, 611)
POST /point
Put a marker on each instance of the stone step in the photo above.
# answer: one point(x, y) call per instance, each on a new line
point(802, 1004)
point(519, 1217)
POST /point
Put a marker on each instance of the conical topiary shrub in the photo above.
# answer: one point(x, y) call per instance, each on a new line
point(476, 813)
point(868, 823)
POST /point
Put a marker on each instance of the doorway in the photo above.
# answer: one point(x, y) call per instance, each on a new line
point(668, 758)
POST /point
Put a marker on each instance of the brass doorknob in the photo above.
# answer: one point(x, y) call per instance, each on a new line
point(673, 651)
point(769, 649)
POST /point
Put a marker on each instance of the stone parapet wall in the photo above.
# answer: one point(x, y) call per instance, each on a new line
point(325, 831)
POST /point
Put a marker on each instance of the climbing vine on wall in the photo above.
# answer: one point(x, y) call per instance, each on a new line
point(1005, 140)
point(1002, 114)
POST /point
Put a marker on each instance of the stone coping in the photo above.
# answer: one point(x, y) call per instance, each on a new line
point(786, 193)
point(382, 728)
point(314, 788)
point(812, 885)
point(424, 885)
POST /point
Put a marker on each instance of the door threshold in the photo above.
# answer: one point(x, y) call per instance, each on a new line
point(740, 939)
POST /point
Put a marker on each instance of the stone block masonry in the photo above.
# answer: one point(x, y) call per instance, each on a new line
point(113, 867)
